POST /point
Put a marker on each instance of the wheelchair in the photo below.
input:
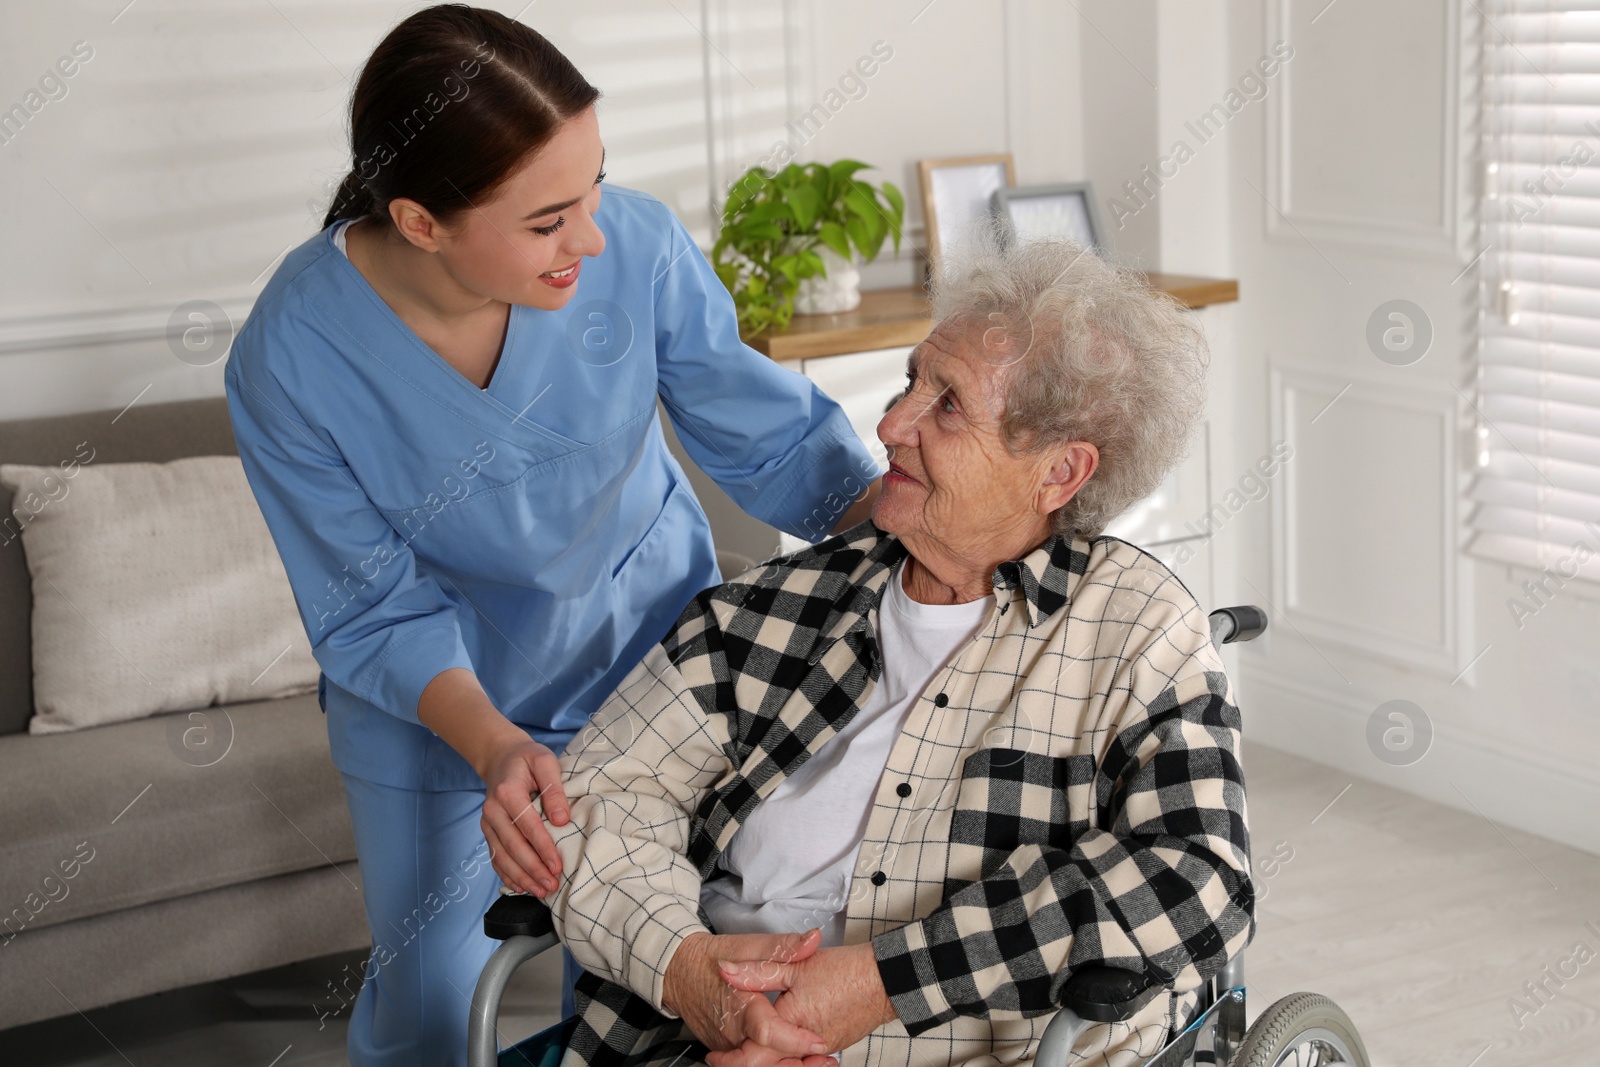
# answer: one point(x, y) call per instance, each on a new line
point(1300, 1030)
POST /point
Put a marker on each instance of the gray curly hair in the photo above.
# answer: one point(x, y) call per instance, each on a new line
point(1095, 355)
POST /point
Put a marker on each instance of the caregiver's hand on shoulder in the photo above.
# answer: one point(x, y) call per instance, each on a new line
point(514, 768)
point(726, 1018)
point(524, 853)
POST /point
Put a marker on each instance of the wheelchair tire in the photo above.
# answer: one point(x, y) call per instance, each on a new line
point(1301, 1021)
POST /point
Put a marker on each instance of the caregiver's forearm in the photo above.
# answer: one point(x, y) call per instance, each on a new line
point(861, 510)
point(454, 706)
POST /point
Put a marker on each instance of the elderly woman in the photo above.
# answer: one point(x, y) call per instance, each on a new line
point(909, 779)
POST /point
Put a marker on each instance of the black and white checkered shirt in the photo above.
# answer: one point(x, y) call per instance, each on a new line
point(1067, 791)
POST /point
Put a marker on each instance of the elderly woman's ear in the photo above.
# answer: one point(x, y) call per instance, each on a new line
point(1068, 467)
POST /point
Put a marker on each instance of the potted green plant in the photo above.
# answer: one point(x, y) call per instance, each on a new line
point(784, 233)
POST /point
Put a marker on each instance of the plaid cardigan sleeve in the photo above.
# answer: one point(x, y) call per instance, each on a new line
point(1159, 882)
point(628, 896)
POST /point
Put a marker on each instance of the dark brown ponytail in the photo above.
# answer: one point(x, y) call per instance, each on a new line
point(452, 101)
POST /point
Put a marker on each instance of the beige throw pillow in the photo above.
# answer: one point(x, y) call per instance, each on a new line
point(156, 587)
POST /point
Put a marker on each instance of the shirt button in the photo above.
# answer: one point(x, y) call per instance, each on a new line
point(878, 878)
point(941, 700)
point(904, 789)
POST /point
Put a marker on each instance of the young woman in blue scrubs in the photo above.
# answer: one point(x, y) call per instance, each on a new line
point(445, 403)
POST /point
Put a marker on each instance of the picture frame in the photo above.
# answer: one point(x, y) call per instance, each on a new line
point(1060, 209)
point(955, 191)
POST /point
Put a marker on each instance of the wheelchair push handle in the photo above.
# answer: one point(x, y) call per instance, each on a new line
point(1243, 622)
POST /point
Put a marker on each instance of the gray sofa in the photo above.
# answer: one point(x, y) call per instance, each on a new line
point(183, 870)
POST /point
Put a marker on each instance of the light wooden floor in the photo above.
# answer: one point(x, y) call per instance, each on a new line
point(1421, 921)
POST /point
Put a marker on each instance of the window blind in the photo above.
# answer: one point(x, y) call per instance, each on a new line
point(1536, 494)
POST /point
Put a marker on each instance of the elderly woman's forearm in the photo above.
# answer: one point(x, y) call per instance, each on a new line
point(1193, 912)
point(629, 896)
point(630, 899)
point(1060, 889)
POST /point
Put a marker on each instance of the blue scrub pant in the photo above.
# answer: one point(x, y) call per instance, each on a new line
point(427, 883)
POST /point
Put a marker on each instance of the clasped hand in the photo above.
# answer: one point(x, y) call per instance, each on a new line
point(828, 998)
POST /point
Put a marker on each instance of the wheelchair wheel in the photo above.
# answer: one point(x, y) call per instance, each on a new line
point(1302, 1030)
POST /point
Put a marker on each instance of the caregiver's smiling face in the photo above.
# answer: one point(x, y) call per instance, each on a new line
point(527, 244)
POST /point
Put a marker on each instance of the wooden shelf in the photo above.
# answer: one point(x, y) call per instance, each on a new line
point(890, 318)
point(887, 318)
point(1197, 292)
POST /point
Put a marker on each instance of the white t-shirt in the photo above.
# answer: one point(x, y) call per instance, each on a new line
point(792, 861)
point(338, 235)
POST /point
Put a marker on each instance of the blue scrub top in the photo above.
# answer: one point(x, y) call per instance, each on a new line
point(538, 531)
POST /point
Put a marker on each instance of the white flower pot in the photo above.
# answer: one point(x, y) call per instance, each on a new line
point(837, 291)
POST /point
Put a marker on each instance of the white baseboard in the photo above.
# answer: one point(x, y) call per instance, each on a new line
point(1530, 790)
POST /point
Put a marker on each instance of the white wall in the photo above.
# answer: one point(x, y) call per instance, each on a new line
point(966, 78)
point(202, 141)
point(1350, 189)
point(1119, 84)
point(1149, 68)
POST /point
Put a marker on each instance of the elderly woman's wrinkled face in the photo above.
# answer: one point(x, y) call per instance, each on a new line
point(953, 490)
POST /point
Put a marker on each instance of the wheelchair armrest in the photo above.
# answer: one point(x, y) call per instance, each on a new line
point(1104, 994)
point(517, 913)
